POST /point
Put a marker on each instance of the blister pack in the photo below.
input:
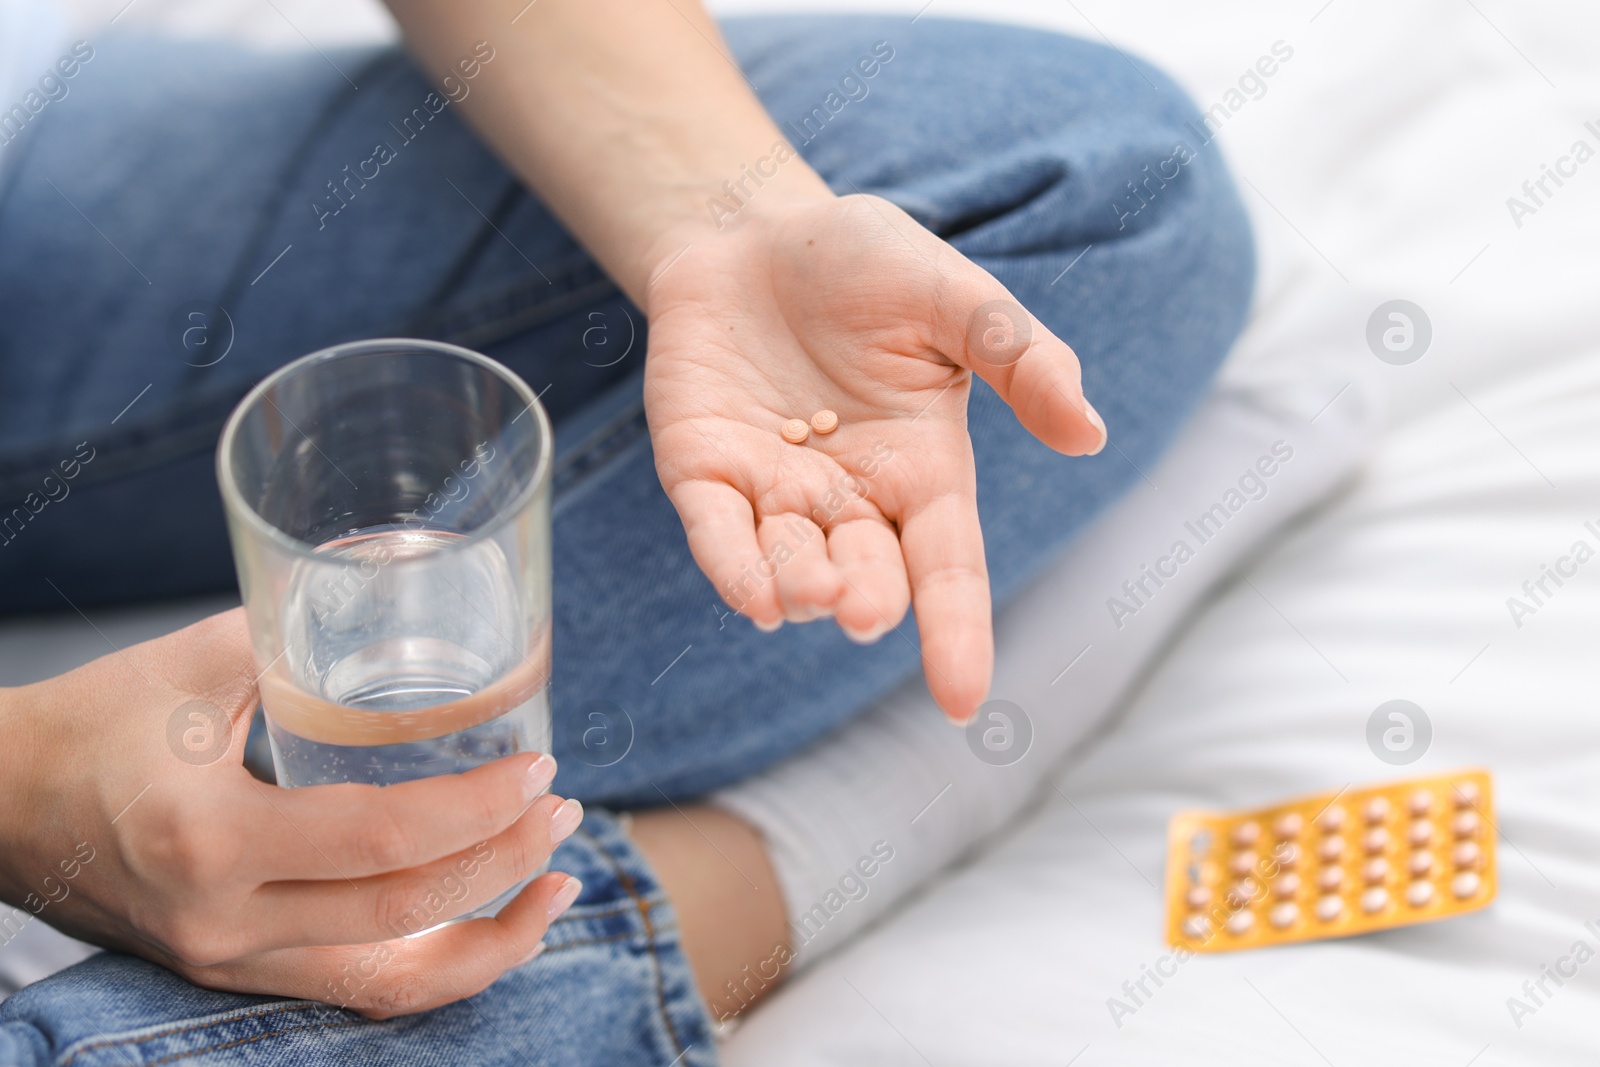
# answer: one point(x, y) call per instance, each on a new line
point(1333, 864)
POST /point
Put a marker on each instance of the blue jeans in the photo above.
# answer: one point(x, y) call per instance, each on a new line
point(196, 179)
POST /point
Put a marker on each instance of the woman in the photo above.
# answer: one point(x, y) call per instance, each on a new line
point(807, 213)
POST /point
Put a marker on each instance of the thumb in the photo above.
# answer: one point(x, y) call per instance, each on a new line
point(212, 663)
point(979, 325)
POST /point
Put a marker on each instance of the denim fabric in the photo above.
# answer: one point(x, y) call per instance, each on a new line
point(181, 175)
point(612, 987)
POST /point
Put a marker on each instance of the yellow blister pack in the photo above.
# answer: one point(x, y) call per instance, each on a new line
point(1332, 864)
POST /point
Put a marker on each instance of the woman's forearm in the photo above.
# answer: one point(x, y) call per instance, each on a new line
point(627, 118)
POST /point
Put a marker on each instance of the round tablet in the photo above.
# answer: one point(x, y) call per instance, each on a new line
point(1466, 794)
point(1420, 832)
point(1466, 854)
point(1331, 848)
point(1331, 820)
point(1421, 863)
point(1195, 926)
point(1290, 825)
point(1377, 839)
point(1375, 870)
point(1330, 878)
point(1198, 896)
point(1330, 908)
point(1287, 853)
point(1240, 922)
point(1243, 893)
point(1421, 801)
point(1243, 862)
point(1377, 809)
point(1284, 915)
point(1374, 900)
point(795, 431)
point(1246, 833)
point(824, 421)
point(1465, 884)
point(1287, 886)
point(1466, 823)
point(1419, 893)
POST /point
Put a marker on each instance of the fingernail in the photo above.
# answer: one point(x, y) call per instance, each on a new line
point(541, 772)
point(767, 627)
point(1098, 423)
point(865, 637)
point(564, 897)
point(530, 957)
point(565, 820)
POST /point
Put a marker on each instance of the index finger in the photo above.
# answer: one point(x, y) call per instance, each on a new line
point(355, 831)
point(412, 974)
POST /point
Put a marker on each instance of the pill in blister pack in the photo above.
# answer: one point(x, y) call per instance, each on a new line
point(1331, 865)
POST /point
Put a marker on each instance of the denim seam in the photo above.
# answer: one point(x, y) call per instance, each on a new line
point(599, 449)
point(586, 942)
point(621, 910)
point(626, 881)
point(582, 917)
point(459, 271)
point(577, 915)
point(252, 1040)
point(195, 425)
point(481, 324)
point(173, 1031)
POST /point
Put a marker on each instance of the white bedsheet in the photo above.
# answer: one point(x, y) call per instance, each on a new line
point(1396, 590)
point(1377, 165)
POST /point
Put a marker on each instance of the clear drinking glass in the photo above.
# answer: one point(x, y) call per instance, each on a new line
point(388, 503)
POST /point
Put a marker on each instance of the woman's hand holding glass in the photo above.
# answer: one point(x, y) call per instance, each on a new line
point(129, 820)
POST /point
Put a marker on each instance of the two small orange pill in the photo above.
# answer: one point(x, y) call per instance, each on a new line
point(795, 431)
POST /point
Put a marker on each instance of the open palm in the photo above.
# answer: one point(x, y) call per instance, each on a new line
point(847, 305)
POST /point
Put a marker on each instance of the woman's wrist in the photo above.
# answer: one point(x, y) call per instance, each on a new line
point(18, 758)
point(632, 122)
point(775, 184)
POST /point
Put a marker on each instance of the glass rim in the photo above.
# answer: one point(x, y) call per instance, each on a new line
point(234, 503)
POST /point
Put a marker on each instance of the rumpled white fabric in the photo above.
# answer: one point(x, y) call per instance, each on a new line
point(1378, 164)
point(1398, 589)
